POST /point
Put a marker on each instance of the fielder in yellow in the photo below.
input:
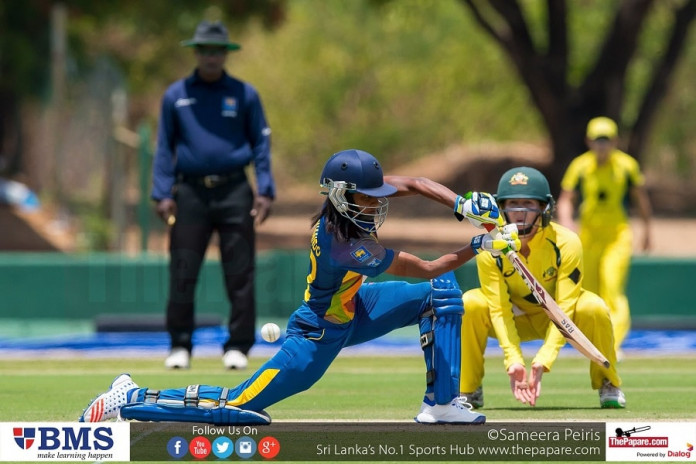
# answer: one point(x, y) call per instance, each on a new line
point(602, 180)
point(505, 309)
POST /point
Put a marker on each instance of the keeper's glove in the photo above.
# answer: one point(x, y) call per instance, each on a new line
point(507, 237)
point(479, 208)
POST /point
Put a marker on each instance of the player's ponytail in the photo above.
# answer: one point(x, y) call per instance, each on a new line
point(336, 223)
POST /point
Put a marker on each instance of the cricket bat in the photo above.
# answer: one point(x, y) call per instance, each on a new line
point(559, 318)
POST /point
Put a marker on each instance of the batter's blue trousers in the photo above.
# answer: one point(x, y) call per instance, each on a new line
point(312, 344)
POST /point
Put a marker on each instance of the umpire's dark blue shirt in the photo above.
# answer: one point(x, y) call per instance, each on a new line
point(211, 128)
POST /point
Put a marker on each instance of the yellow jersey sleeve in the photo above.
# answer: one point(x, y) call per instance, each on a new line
point(571, 177)
point(634, 172)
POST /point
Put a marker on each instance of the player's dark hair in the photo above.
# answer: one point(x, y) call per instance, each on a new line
point(340, 226)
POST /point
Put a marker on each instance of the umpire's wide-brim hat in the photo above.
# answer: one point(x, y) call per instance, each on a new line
point(213, 34)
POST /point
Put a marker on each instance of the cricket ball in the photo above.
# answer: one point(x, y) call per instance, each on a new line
point(270, 332)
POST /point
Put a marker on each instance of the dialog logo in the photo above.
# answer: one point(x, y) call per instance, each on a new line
point(223, 447)
point(682, 453)
point(24, 436)
point(177, 447)
point(246, 447)
point(200, 447)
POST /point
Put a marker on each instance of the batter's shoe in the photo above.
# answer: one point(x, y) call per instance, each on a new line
point(475, 399)
point(108, 405)
point(611, 396)
point(234, 359)
point(179, 358)
point(458, 411)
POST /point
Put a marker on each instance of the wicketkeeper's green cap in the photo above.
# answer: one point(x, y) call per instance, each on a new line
point(524, 182)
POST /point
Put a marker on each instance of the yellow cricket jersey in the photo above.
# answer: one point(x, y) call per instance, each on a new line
point(603, 189)
point(555, 259)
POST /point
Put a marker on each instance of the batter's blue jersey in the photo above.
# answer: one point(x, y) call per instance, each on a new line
point(337, 270)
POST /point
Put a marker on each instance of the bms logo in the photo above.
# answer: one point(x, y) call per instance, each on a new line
point(24, 437)
point(65, 438)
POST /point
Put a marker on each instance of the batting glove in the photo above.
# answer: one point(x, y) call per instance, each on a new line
point(479, 208)
point(507, 238)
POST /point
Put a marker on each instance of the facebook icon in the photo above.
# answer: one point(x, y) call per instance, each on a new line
point(177, 447)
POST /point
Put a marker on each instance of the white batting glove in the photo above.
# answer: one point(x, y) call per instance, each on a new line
point(479, 208)
point(506, 238)
point(509, 231)
point(509, 234)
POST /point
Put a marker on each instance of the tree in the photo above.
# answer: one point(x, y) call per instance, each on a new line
point(25, 61)
point(564, 106)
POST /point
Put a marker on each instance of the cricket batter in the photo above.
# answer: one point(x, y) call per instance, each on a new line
point(340, 310)
point(603, 179)
point(504, 308)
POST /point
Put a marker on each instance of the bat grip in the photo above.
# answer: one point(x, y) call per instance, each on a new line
point(491, 228)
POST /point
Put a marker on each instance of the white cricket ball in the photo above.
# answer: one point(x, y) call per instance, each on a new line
point(270, 332)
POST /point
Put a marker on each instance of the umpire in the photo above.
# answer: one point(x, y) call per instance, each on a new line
point(211, 127)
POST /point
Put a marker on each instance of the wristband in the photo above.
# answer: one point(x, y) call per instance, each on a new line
point(459, 208)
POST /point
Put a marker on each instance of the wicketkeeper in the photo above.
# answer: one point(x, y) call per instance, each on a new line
point(504, 307)
point(340, 310)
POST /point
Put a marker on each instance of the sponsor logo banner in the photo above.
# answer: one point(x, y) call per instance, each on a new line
point(650, 441)
point(64, 441)
point(626, 441)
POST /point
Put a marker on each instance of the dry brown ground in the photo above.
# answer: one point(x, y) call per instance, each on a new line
point(441, 235)
point(42, 232)
point(414, 224)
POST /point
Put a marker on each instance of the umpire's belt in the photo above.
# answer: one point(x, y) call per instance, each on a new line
point(214, 180)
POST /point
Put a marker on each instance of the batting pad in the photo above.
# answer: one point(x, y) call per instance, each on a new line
point(195, 403)
point(440, 329)
point(227, 415)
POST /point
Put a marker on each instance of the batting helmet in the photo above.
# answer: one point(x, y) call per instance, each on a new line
point(351, 171)
point(526, 182)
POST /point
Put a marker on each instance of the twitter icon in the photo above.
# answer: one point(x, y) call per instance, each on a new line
point(223, 447)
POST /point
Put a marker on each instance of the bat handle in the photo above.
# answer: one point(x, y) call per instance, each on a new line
point(491, 228)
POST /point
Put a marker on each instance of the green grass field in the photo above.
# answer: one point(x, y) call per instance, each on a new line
point(360, 388)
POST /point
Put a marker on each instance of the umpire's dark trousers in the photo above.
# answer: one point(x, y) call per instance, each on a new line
point(201, 209)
